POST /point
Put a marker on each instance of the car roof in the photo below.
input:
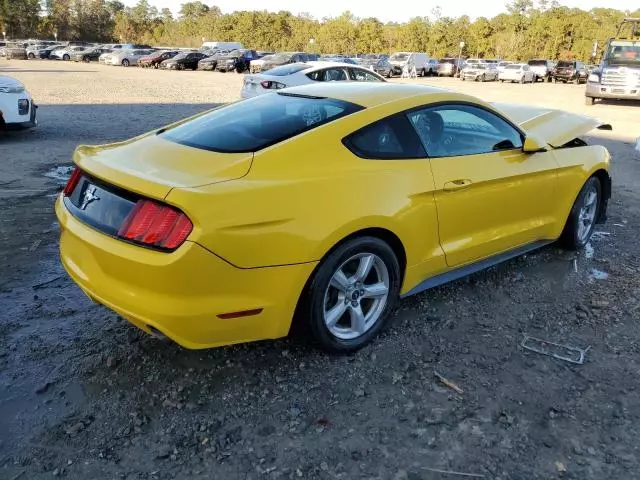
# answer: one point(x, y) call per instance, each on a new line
point(367, 94)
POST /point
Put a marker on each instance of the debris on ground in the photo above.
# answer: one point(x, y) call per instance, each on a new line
point(598, 274)
point(447, 382)
point(569, 353)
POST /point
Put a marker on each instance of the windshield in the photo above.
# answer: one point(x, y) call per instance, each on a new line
point(623, 52)
point(257, 123)
point(399, 56)
point(565, 64)
point(537, 63)
point(180, 55)
point(448, 60)
point(513, 67)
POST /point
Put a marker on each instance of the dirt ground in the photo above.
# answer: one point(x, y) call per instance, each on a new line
point(84, 395)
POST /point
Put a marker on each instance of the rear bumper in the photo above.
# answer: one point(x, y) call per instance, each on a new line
point(595, 90)
point(181, 293)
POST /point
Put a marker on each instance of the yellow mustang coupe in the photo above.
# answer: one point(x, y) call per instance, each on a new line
point(319, 206)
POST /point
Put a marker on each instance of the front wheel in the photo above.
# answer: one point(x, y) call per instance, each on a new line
point(66, 57)
point(589, 101)
point(521, 79)
point(584, 213)
point(352, 295)
point(31, 56)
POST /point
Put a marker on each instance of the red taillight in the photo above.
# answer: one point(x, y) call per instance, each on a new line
point(72, 182)
point(269, 85)
point(151, 223)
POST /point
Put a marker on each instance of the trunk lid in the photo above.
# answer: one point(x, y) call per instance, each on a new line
point(556, 127)
point(151, 165)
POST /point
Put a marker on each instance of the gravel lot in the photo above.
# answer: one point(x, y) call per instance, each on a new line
point(84, 395)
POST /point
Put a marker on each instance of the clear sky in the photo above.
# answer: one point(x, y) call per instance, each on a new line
point(385, 10)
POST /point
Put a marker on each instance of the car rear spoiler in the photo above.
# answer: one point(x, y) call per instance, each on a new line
point(556, 127)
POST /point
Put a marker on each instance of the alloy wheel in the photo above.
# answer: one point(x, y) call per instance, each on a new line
point(587, 215)
point(356, 296)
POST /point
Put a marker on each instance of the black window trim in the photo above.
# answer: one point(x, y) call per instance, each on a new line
point(346, 141)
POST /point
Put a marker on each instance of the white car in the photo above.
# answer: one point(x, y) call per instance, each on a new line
point(295, 74)
point(517, 72)
point(17, 109)
point(65, 53)
point(126, 57)
point(501, 65)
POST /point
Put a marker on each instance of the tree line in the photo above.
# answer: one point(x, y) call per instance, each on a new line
point(526, 30)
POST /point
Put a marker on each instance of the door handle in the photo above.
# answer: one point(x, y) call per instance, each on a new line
point(457, 185)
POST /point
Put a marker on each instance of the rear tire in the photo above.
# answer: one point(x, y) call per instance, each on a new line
point(31, 56)
point(583, 216)
point(336, 299)
point(589, 101)
point(66, 57)
point(522, 80)
point(125, 63)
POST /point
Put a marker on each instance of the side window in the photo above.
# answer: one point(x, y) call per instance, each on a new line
point(334, 75)
point(360, 75)
point(386, 139)
point(454, 130)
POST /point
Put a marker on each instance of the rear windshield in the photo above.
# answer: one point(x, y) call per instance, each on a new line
point(565, 64)
point(513, 67)
point(537, 63)
point(254, 124)
point(448, 60)
point(287, 69)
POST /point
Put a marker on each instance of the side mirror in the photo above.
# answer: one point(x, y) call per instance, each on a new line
point(534, 144)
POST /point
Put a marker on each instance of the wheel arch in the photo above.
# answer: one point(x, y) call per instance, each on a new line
point(384, 234)
point(605, 182)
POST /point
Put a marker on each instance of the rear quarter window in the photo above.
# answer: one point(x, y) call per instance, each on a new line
point(388, 139)
point(257, 123)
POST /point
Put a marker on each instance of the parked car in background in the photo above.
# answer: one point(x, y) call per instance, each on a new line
point(432, 67)
point(283, 58)
point(127, 57)
point(89, 55)
point(338, 60)
point(303, 73)
point(378, 63)
point(449, 67)
point(17, 109)
point(111, 46)
point(517, 72)
point(570, 71)
point(211, 62)
point(238, 60)
point(16, 51)
point(183, 61)
point(39, 51)
point(542, 69)
point(219, 46)
point(66, 52)
point(502, 64)
point(480, 72)
point(136, 46)
point(400, 59)
point(154, 59)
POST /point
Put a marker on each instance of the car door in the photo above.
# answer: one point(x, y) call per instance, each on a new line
point(491, 196)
